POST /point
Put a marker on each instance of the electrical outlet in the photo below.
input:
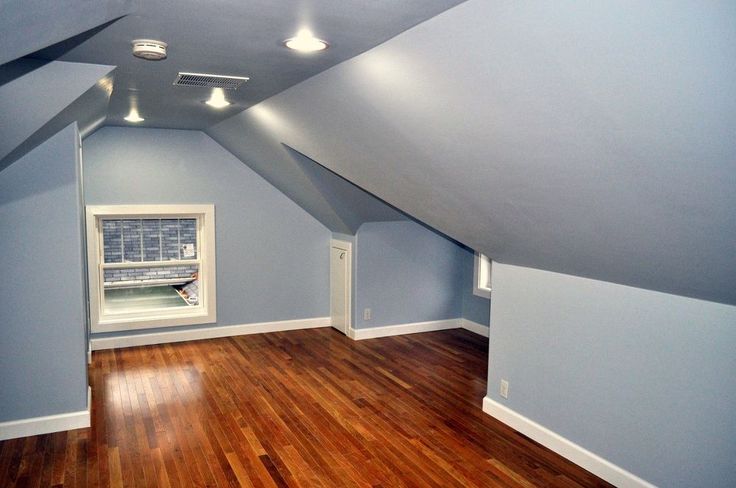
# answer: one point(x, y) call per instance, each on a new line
point(504, 388)
point(367, 314)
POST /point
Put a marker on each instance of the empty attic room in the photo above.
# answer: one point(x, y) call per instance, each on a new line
point(325, 243)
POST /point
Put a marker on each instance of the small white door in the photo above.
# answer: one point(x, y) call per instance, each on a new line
point(340, 287)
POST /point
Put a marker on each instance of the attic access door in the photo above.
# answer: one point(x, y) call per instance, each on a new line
point(340, 279)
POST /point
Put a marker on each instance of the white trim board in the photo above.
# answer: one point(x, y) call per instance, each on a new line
point(346, 246)
point(99, 343)
point(564, 447)
point(401, 329)
point(417, 327)
point(49, 423)
point(475, 327)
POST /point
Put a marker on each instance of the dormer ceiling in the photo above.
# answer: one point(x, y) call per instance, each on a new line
point(230, 37)
point(593, 139)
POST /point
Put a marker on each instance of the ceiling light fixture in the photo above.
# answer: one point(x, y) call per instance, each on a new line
point(305, 42)
point(133, 116)
point(217, 99)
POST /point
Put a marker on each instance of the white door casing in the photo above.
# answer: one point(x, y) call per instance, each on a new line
point(340, 284)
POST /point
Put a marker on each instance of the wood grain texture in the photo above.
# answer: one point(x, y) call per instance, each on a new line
point(305, 408)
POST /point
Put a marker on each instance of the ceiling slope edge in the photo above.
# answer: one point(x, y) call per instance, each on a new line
point(270, 160)
point(353, 204)
point(48, 98)
point(27, 26)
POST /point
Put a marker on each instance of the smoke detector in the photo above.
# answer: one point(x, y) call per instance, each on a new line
point(149, 49)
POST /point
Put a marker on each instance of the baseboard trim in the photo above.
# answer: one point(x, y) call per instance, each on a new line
point(48, 424)
point(474, 327)
point(564, 447)
point(133, 340)
point(401, 329)
point(418, 327)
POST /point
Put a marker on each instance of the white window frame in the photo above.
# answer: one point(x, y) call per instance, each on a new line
point(481, 275)
point(203, 313)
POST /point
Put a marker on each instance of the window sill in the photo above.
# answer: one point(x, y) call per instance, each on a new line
point(160, 321)
point(482, 292)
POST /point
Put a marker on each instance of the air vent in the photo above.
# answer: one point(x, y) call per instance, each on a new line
point(209, 81)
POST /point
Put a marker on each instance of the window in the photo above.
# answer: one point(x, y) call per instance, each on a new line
point(151, 266)
point(482, 276)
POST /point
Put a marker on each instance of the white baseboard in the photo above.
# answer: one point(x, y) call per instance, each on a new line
point(401, 329)
point(417, 327)
point(564, 447)
point(48, 424)
point(475, 327)
point(99, 343)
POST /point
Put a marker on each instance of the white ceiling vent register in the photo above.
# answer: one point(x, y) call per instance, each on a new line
point(149, 49)
point(209, 81)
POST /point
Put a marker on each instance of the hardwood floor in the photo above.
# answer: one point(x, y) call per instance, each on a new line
point(303, 408)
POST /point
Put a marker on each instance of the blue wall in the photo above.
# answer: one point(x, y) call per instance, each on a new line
point(406, 273)
point(272, 256)
point(589, 138)
point(475, 308)
point(644, 379)
point(42, 336)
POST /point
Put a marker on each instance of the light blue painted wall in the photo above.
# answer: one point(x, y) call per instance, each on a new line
point(475, 308)
point(589, 138)
point(641, 378)
point(42, 336)
point(406, 273)
point(272, 256)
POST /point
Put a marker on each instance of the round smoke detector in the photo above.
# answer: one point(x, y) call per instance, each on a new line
point(149, 49)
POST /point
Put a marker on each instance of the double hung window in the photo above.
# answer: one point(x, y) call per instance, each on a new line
point(151, 265)
point(482, 276)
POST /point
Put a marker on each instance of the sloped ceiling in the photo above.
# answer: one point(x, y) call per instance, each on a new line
point(595, 139)
point(29, 25)
point(352, 204)
point(42, 98)
point(337, 203)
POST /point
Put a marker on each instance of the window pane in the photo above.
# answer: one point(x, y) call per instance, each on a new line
point(169, 239)
point(188, 238)
point(112, 231)
point(132, 240)
point(147, 288)
point(142, 275)
point(485, 273)
point(151, 239)
point(142, 298)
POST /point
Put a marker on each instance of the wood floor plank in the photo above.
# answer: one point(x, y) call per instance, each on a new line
point(307, 408)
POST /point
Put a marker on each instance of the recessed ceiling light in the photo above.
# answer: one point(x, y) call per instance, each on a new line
point(305, 42)
point(133, 116)
point(217, 99)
